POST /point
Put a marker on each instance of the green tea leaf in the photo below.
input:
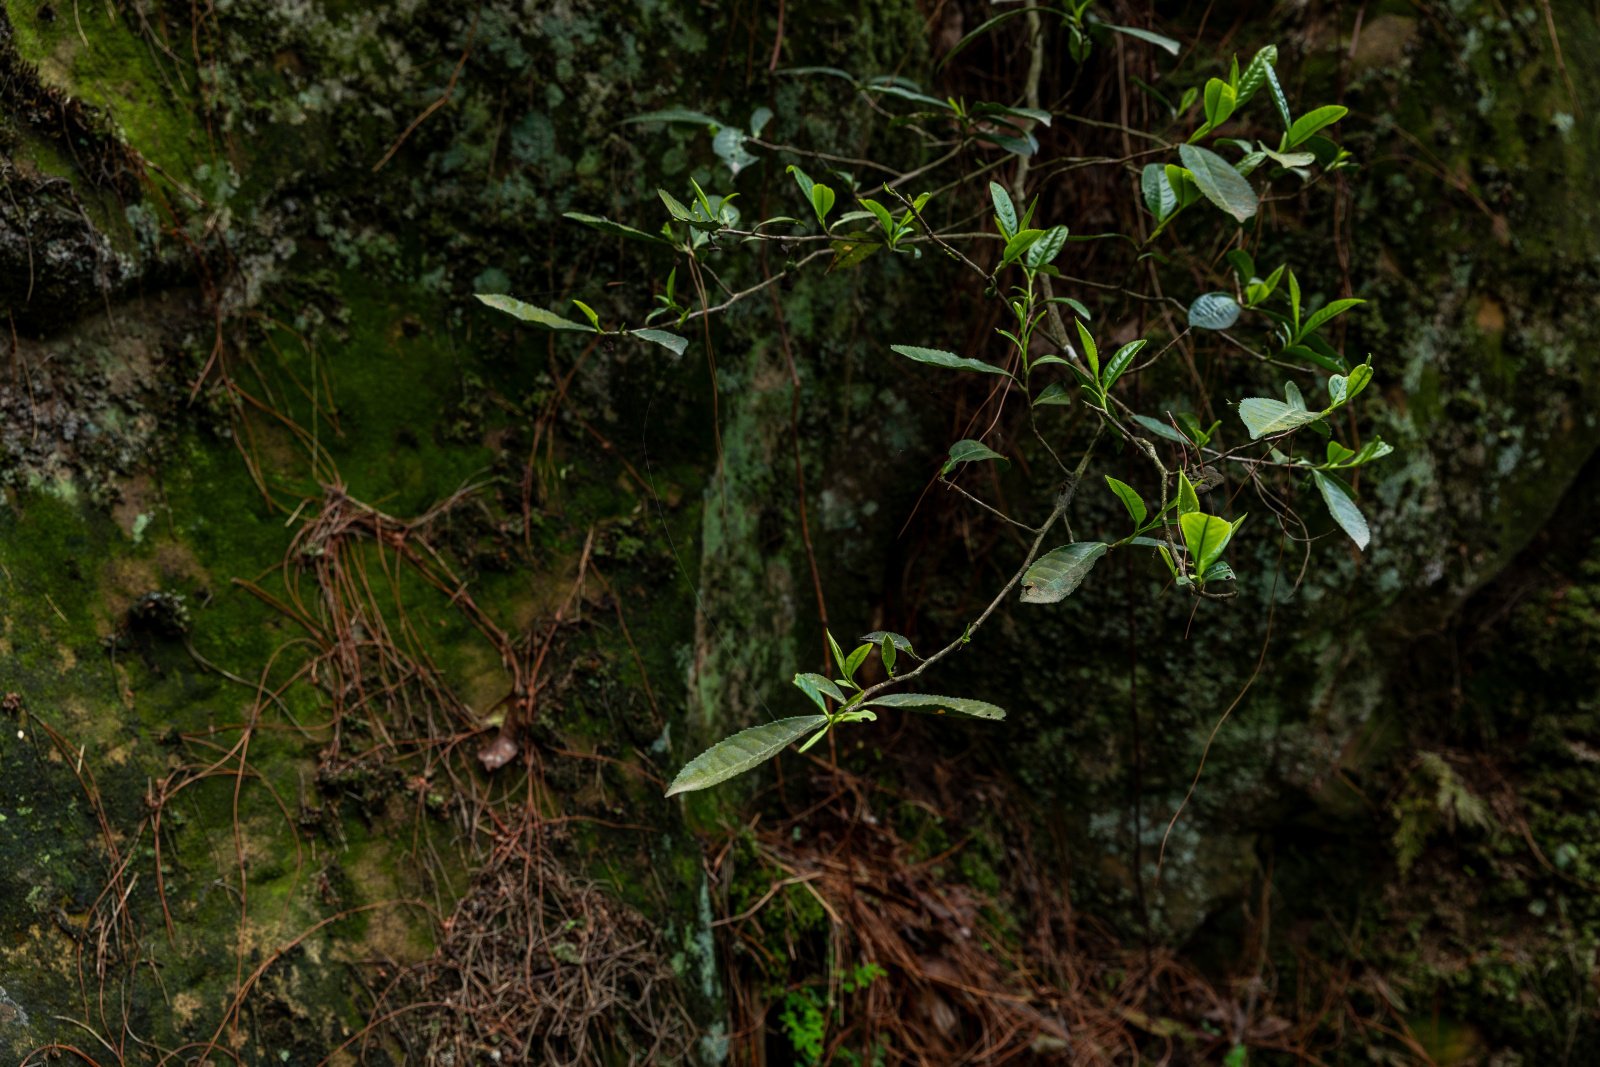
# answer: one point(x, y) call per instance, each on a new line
point(732, 756)
point(1018, 244)
point(1091, 351)
point(901, 641)
point(615, 229)
point(1219, 182)
point(1047, 248)
point(1005, 212)
point(1205, 536)
point(940, 358)
point(1130, 499)
point(816, 686)
point(1161, 429)
point(1188, 499)
point(1342, 506)
point(1054, 393)
point(663, 338)
point(1057, 573)
point(969, 451)
point(538, 316)
point(977, 709)
point(1166, 44)
point(1213, 311)
point(1119, 362)
point(676, 115)
point(1312, 121)
point(1323, 314)
point(857, 657)
point(1158, 194)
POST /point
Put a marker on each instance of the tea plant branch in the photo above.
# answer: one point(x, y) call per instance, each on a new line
point(990, 508)
point(1062, 504)
point(734, 298)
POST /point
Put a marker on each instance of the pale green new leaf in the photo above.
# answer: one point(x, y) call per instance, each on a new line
point(1205, 536)
point(816, 686)
point(940, 358)
point(977, 709)
point(1130, 499)
point(1219, 181)
point(1047, 247)
point(732, 756)
point(1188, 499)
point(1311, 122)
point(1056, 574)
point(1120, 361)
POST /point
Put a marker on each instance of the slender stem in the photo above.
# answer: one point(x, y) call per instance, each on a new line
point(1063, 503)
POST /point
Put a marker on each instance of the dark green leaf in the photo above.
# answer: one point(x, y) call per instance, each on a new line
point(1279, 101)
point(746, 749)
point(969, 451)
point(983, 28)
point(1057, 573)
point(940, 358)
point(615, 229)
point(901, 641)
point(1054, 393)
point(676, 115)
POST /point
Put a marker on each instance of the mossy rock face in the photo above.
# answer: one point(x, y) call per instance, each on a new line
point(296, 181)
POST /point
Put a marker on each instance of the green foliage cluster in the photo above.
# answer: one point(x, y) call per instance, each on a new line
point(1038, 362)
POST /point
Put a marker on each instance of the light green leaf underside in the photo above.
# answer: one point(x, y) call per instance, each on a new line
point(1221, 184)
point(1343, 509)
point(531, 313)
point(666, 340)
point(976, 709)
point(1057, 573)
point(1264, 416)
